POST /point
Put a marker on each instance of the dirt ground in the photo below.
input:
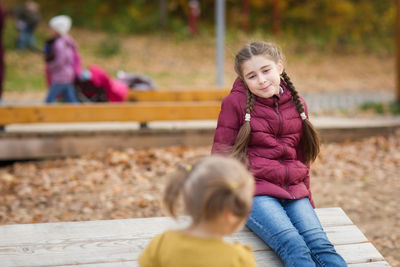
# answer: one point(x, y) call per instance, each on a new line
point(361, 177)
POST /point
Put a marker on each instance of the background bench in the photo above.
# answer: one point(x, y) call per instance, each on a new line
point(140, 112)
point(176, 95)
point(145, 106)
point(116, 243)
point(41, 131)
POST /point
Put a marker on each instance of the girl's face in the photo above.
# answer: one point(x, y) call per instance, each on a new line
point(262, 75)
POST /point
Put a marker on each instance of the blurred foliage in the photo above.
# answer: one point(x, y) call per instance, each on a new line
point(109, 46)
point(392, 108)
point(336, 24)
point(376, 107)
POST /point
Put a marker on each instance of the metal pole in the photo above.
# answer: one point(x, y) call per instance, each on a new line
point(220, 30)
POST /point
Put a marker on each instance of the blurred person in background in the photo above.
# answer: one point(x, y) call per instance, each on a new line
point(27, 18)
point(62, 61)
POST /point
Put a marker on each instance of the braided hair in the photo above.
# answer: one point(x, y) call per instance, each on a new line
point(239, 149)
point(309, 141)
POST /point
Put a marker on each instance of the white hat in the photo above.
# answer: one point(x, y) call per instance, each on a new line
point(61, 24)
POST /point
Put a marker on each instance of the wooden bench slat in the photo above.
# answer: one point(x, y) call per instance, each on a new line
point(134, 263)
point(359, 253)
point(128, 246)
point(111, 228)
point(371, 264)
point(192, 95)
point(333, 217)
point(140, 112)
point(112, 264)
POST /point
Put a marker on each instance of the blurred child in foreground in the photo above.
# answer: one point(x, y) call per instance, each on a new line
point(217, 195)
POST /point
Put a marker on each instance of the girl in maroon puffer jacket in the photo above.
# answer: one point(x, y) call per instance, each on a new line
point(264, 122)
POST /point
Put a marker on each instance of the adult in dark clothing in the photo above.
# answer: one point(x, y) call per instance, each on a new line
point(27, 18)
point(2, 65)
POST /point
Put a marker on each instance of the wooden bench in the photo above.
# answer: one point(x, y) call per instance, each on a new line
point(116, 243)
point(140, 112)
point(197, 104)
point(178, 95)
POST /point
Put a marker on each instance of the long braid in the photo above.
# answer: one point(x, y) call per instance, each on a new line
point(310, 139)
point(295, 94)
point(250, 101)
point(239, 149)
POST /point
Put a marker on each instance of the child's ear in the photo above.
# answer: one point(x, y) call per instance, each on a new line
point(232, 222)
point(280, 66)
point(230, 217)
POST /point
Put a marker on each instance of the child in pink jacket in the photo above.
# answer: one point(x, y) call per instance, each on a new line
point(62, 61)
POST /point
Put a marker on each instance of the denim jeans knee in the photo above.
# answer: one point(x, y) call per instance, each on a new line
point(292, 229)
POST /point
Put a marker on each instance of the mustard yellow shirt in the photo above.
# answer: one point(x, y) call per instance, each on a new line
point(177, 249)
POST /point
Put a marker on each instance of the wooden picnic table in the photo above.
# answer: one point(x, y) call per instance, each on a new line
point(117, 243)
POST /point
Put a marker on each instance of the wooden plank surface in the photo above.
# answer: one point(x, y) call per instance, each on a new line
point(353, 254)
point(359, 253)
point(371, 264)
point(134, 263)
point(109, 243)
point(51, 140)
point(140, 112)
point(53, 144)
point(179, 95)
point(139, 227)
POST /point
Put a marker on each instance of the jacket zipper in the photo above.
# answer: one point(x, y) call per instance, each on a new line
point(280, 116)
point(284, 148)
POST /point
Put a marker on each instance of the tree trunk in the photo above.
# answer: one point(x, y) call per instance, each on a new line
point(163, 14)
point(276, 18)
point(246, 15)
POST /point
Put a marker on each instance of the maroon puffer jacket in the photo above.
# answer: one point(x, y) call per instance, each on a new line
point(273, 150)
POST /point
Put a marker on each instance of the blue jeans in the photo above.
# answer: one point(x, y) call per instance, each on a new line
point(65, 89)
point(292, 229)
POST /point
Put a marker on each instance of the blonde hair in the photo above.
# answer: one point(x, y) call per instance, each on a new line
point(310, 140)
point(210, 186)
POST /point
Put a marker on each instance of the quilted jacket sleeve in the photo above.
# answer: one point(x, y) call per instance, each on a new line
point(229, 122)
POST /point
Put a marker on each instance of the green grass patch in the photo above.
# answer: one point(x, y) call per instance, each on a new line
point(18, 80)
point(109, 46)
point(382, 108)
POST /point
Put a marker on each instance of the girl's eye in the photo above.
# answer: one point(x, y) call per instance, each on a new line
point(252, 76)
point(265, 71)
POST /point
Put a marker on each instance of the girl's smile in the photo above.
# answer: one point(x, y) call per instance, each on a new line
point(262, 75)
point(266, 88)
